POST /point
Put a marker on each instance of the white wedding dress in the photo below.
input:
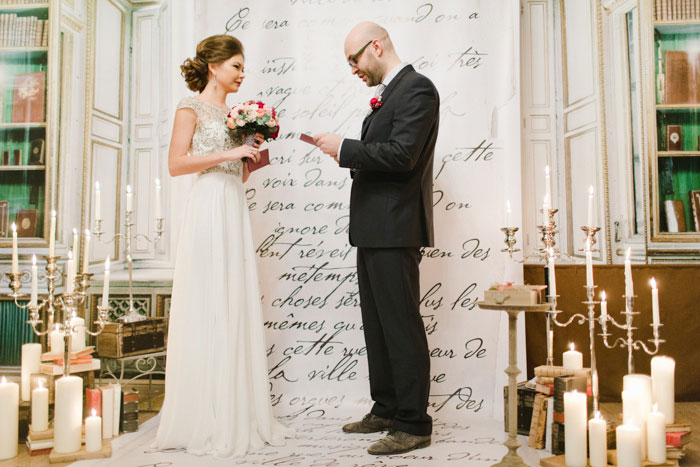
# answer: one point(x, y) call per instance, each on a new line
point(217, 398)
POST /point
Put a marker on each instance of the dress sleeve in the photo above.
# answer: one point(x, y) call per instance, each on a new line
point(188, 103)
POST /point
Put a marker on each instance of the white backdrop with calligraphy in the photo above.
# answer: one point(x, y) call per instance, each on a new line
point(299, 204)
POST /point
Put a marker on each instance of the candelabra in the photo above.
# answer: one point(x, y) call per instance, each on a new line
point(67, 304)
point(629, 342)
point(129, 236)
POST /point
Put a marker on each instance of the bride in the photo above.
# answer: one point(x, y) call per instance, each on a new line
point(216, 387)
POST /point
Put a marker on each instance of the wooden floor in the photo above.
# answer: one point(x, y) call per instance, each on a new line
point(685, 412)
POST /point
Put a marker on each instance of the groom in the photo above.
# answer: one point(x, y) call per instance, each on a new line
point(391, 218)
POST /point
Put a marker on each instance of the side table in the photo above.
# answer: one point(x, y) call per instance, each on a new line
point(146, 365)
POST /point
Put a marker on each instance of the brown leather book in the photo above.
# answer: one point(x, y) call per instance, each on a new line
point(677, 77)
point(28, 101)
point(695, 204)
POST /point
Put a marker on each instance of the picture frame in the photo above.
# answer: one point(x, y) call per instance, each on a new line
point(674, 137)
point(37, 149)
point(4, 218)
point(695, 208)
point(26, 222)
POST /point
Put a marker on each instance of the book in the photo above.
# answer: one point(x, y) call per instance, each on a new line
point(107, 411)
point(75, 361)
point(116, 413)
point(40, 435)
point(677, 439)
point(677, 77)
point(29, 94)
point(695, 207)
point(34, 448)
point(675, 215)
point(53, 369)
point(546, 389)
point(678, 427)
point(538, 424)
point(545, 370)
point(674, 138)
point(48, 356)
point(262, 162)
point(93, 401)
point(26, 222)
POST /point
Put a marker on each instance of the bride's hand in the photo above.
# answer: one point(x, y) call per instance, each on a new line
point(241, 152)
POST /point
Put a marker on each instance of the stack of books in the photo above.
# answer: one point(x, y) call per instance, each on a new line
point(39, 442)
point(677, 436)
point(105, 401)
point(544, 377)
point(82, 360)
point(130, 411)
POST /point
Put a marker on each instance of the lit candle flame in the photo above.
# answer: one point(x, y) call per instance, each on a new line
point(655, 408)
point(653, 283)
point(629, 252)
point(93, 412)
point(41, 383)
point(602, 295)
point(571, 346)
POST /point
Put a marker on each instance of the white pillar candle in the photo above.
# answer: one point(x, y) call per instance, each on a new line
point(98, 201)
point(31, 360)
point(589, 263)
point(552, 275)
point(572, 359)
point(9, 422)
point(589, 217)
point(93, 433)
point(547, 187)
point(56, 341)
point(52, 234)
point(15, 252)
point(40, 408)
point(637, 411)
point(629, 286)
point(129, 199)
point(68, 414)
point(86, 251)
point(628, 439)
point(656, 436)
point(159, 214)
point(77, 334)
point(603, 305)
point(105, 286)
point(575, 433)
point(654, 302)
point(663, 386)
point(34, 297)
point(70, 273)
point(76, 245)
point(597, 441)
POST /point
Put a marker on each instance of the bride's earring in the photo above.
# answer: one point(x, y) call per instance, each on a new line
point(214, 81)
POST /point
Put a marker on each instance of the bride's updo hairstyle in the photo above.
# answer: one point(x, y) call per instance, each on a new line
point(214, 49)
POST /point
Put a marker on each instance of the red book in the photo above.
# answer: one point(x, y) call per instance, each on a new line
point(75, 361)
point(677, 439)
point(93, 401)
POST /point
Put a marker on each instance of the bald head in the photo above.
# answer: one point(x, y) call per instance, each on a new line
point(370, 47)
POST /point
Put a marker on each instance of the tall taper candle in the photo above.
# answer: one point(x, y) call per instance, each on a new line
point(589, 218)
point(589, 263)
point(552, 275)
point(159, 214)
point(15, 252)
point(629, 286)
point(34, 297)
point(68, 421)
point(547, 187)
point(129, 199)
point(9, 422)
point(508, 212)
point(105, 286)
point(597, 441)
point(603, 306)
point(663, 371)
point(70, 273)
point(52, 234)
point(76, 245)
point(98, 201)
point(86, 251)
point(40, 408)
point(31, 360)
point(654, 302)
point(575, 433)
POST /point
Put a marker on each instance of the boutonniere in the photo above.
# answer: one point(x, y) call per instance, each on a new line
point(375, 102)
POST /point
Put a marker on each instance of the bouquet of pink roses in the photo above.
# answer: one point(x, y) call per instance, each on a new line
point(253, 117)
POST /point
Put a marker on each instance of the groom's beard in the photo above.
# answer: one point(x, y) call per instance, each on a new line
point(374, 74)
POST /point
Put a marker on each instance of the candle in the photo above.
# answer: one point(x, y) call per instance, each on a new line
point(663, 388)
point(656, 436)
point(629, 440)
point(34, 297)
point(40, 408)
point(629, 286)
point(552, 276)
point(129, 199)
point(589, 263)
point(105, 286)
point(86, 251)
point(158, 202)
point(9, 422)
point(508, 212)
point(545, 213)
point(70, 273)
point(15, 253)
point(654, 302)
point(548, 188)
point(603, 306)
point(77, 334)
point(572, 359)
point(31, 360)
point(68, 414)
point(638, 405)
point(575, 433)
point(93, 433)
point(76, 244)
point(98, 200)
point(589, 221)
point(56, 342)
point(52, 234)
point(597, 442)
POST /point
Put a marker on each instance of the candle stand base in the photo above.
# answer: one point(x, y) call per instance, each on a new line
point(105, 452)
point(560, 461)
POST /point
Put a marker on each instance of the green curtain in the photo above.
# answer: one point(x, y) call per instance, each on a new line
point(14, 331)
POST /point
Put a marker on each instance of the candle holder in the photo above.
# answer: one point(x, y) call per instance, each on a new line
point(629, 342)
point(129, 236)
point(510, 240)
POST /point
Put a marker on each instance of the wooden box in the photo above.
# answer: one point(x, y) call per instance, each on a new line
point(135, 338)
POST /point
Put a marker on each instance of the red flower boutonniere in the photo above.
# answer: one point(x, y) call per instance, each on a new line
point(375, 102)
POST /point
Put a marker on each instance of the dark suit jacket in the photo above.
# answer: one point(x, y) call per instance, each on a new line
point(391, 203)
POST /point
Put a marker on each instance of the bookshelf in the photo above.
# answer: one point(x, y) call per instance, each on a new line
point(24, 113)
point(674, 130)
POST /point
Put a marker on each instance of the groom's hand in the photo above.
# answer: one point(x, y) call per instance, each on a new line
point(328, 143)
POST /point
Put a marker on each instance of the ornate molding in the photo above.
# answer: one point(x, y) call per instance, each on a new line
point(72, 22)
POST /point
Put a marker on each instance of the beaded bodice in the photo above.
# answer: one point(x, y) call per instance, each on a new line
point(212, 135)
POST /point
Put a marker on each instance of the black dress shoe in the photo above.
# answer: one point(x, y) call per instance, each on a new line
point(370, 424)
point(397, 442)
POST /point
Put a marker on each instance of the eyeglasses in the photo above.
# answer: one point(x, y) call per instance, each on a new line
point(352, 61)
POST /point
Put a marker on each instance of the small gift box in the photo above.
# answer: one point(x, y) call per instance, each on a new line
point(514, 294)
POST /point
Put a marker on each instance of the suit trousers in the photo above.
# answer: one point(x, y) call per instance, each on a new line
point(397, 347)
